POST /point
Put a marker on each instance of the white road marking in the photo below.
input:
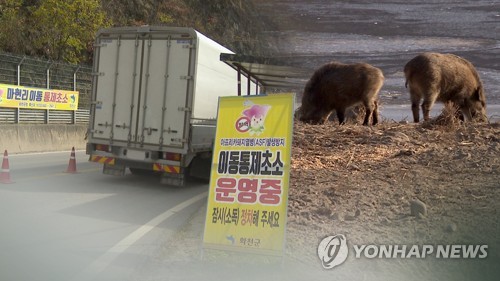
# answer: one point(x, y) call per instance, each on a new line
point(20, 154)
point(107, 258)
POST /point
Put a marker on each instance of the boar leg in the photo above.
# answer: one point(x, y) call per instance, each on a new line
point(370, 109)
point(415, 108)
point(375, 114)
point(367, 116)
point(341, 115)
point(465, 111)
point(426, 108)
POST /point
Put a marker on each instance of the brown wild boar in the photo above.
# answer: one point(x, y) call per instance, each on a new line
point(337, 86)
point(444, 78)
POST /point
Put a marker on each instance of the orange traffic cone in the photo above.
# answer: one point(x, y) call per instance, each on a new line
point(72, 162)
point(5, 174)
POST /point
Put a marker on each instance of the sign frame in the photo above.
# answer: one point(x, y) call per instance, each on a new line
point(250, 128)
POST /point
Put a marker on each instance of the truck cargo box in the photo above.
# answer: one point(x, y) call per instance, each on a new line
point(154, 98)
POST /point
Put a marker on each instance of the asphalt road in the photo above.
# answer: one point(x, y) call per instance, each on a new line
point(85, 226)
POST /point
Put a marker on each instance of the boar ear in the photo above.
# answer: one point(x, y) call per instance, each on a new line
point(475, 96)
point(478, 94)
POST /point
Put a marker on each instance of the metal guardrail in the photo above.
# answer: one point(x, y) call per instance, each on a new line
point(42, 116)
point(34, 72)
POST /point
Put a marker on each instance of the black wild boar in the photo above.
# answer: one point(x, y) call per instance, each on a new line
point(445, 78)
point(337, 86)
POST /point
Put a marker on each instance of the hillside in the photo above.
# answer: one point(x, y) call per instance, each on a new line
point(65, 30)
point(234, 23)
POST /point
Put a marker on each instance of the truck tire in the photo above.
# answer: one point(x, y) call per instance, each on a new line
point(200, 169)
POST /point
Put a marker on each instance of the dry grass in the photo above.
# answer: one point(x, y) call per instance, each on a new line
point(358, 180)
point(450, 118)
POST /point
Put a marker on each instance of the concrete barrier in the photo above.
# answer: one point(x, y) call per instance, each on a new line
point(23, 138)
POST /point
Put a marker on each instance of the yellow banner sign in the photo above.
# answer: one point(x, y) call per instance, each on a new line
point(247, 202)
point(36, 98)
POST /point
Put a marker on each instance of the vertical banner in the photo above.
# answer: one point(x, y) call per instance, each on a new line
point(248, 197)
point(36, 98)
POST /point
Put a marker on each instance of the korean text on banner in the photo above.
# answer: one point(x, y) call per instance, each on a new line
point(249, 181)
point(36, 98)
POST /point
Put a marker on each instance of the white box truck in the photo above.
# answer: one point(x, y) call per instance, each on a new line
point(154, 101)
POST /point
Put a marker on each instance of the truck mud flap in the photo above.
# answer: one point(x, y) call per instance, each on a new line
point(172, 179)
point(114, 170)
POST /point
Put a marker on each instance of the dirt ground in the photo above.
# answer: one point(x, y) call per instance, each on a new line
point(358, 181)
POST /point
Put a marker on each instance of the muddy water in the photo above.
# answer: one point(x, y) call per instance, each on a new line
point(387, 34)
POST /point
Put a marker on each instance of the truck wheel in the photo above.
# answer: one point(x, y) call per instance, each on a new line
point(200, 169)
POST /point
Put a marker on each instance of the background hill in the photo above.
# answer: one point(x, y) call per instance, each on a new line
point(64, 30)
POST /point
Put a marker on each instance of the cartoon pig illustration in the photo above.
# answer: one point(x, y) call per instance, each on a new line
point(257, 115)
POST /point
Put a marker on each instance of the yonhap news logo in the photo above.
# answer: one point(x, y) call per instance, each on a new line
point(334, 250)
